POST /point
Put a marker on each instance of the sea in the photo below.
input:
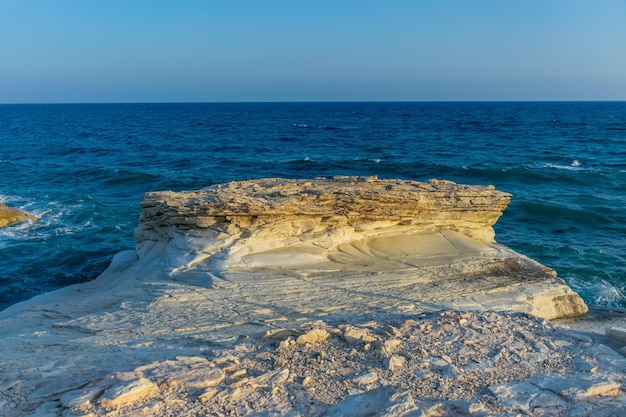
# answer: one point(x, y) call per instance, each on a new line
point(82, 170)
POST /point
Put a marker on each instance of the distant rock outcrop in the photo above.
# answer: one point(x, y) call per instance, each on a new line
point(10, 216)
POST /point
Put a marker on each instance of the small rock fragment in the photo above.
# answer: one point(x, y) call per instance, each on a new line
point(354, 336)
point(279, 377)
point(392, 331)
point(366, 379)
point(238, 374)
point(395, 362)
point(313, 336)
point(517, 395)
point(390, 345)
point(384, 401)
point(81, 398)
point(128, 392)
point(576, 386)
point(280, 334)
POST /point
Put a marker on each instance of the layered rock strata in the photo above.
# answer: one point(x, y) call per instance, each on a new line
point(433, 239)
point(320, 209)
point(10, 216)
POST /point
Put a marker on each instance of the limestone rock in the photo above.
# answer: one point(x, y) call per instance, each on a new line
point(128, 392)
point(10, 216)
point(355, 335)
point(383, 401)
point(516, 395)
point(365, 379)
point(280, 334)
point(313, 336)
point(81, 398)
point(436, 236)
point(224, 265)
point(573, 388)
point(395, 362)
point(389, 346)
point(296, 207)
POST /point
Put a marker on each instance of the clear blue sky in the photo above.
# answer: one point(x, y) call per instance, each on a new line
point(286, 50)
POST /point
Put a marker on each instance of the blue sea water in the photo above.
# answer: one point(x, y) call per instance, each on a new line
point(82, 168)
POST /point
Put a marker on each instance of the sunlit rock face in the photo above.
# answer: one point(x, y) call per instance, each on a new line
point(432, 240)
point(10, 216)
point(317, 208)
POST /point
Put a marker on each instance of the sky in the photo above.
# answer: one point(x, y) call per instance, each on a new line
point(87, 51)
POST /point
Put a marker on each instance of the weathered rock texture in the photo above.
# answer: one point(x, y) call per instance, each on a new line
point(10, 215)
point(347, 276)
point(317, 208)
point(435, 364)
point(434, 241)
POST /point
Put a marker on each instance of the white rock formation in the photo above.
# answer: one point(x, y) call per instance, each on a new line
point(269, 255)
point(434, 241)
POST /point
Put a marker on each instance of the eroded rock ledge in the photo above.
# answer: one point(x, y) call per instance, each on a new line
point(431, 242)
point(310, 207)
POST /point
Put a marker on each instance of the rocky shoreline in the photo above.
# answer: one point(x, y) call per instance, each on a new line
point(342, 297)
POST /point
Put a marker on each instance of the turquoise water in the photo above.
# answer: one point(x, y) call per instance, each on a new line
point(83, 168)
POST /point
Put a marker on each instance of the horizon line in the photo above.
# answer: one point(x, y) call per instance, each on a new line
point(313, 101)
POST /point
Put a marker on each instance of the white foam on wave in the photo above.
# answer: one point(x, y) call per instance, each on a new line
point(54, 219)
point(600, 291)
point(375, 160)
point(576, 165)
point(607, 294)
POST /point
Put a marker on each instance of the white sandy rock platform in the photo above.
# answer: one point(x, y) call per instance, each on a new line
point(344, 297)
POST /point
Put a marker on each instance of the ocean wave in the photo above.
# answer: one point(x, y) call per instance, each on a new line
point(53, 219)
point(366, 159)
point(598, 291)
point(72, 241)
point(575, 165)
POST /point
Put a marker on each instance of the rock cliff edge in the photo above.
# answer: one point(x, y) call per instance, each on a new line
point(292, 296)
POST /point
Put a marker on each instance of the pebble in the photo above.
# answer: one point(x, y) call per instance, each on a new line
point(395, 362)
point(127, 392)
point(366, 379)
point(341, 372)
point(313, 336)
point(354, 336)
